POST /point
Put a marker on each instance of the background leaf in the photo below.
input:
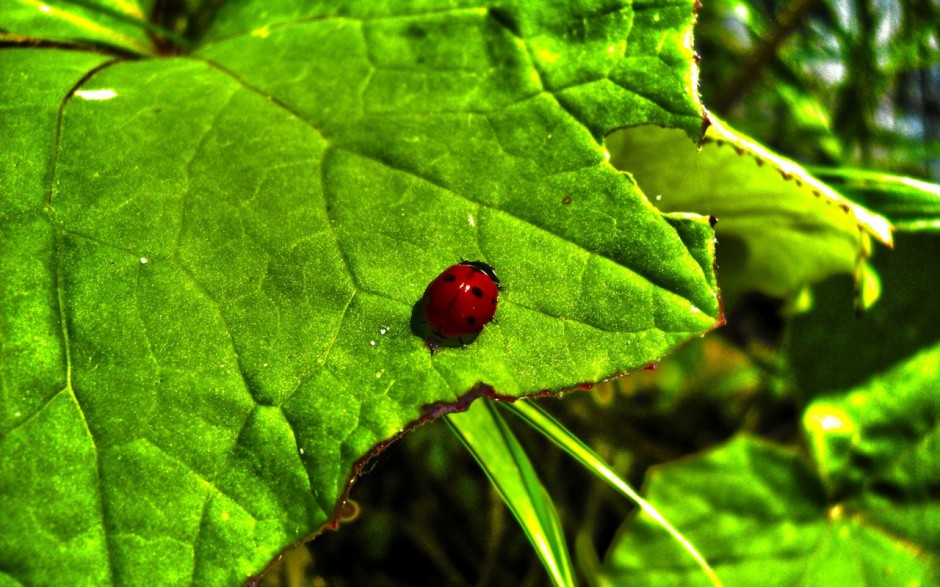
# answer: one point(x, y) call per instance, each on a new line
point(760, 516)
point(119, 24)
point(878, 447)
point(830, 348)
point(780, 229)
point(911, 205)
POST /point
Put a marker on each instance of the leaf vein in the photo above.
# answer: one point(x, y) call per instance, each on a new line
point(228, 330)
point(35, 412)
point(57, 252)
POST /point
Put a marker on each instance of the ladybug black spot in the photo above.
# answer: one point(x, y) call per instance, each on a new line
point(477, 292)
point(471, 320)
point(450, 277)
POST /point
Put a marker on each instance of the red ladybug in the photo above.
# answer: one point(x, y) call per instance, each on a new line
point(461, 300)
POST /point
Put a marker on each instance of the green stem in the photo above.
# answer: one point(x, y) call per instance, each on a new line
point(753, 65)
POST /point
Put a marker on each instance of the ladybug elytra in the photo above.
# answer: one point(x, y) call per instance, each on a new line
point(462, 299)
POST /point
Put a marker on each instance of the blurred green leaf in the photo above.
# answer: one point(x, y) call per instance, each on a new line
point(121, 24)
point(484, 432)
point(831, 348)
point(878, 448)
point(212, 263)
point(911, 205)
point(779, 228)
point(760, 516)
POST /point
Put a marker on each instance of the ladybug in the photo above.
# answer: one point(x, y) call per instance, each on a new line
point(461, 300)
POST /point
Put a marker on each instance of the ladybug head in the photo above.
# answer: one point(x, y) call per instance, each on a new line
point(482, 268)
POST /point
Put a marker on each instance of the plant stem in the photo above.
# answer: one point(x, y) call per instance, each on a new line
point(753, 65)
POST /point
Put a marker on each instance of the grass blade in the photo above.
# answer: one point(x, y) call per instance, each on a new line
point(484, 432)
point(551, 428)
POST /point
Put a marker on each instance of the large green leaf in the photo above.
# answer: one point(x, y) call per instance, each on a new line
point(761, 517)
point(210, 263)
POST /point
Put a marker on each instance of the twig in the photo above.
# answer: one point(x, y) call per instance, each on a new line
point(753, 65)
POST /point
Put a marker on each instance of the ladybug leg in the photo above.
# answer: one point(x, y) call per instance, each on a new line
point(463, 345)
